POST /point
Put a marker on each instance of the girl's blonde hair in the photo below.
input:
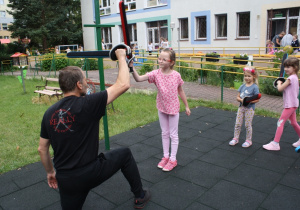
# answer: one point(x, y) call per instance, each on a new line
point(253, 72)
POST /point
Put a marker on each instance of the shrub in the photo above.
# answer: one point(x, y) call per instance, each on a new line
point(228, 77)
point(213, 78)
point(187, 74)
point(146, 67)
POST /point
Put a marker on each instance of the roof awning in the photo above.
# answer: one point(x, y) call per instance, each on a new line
point(4, 41)
point(17, 54)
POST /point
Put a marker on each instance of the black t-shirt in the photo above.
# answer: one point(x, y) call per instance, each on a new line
point(72, 126)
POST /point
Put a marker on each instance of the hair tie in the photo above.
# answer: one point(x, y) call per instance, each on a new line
point(249, 69)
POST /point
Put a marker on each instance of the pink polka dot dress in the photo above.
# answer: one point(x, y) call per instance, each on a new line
point(167, 100)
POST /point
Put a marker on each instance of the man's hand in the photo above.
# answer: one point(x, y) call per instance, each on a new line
point(120, 53)
point(52, 182)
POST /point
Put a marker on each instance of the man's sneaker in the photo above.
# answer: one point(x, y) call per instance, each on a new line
point(140, 203)
point(272, 146)
point(170, 165)
point(297, 143)
point(163, 162)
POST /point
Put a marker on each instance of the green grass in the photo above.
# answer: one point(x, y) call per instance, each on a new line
point(21, 116)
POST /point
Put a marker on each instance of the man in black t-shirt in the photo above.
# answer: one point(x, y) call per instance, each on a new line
point(71, 127)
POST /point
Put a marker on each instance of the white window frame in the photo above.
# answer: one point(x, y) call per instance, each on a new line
point(129, 4)
point(133, 38)
point(1, 2)
point(181, 28)
point(107, 37)
point(104, 10)
point(2, 14)
point(238, 25)
point(156, 3)
point(217, 17)
point(4, 26)
point(196, 31)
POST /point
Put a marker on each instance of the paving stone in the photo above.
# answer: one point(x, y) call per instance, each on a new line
point(175, 193)
point(149, 206)
point(186, 133)
point(142, 152)
point(201, 173)
point(186, 155)
point(217, 134)
point(292, 177)
point(197, 206)
point(150, 172)
point(239, 149)
point(282, 197)
point(214, 118)
point(271, 160)
point(227, 195)
point(128, 138)
point(253, 177)
point(199, 126)
point(94, 202)
point(27, 198)
point(201, 144)
point(7, 184)
point(154, 141)
point(54, 206)
point(116, 189)
point(223, 158)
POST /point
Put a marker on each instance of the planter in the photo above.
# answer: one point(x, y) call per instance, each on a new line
point(240, 62)
point(237, 85)
point(212, 58)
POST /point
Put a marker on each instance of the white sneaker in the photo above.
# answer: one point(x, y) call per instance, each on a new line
point(272, 146)
point(297, 143)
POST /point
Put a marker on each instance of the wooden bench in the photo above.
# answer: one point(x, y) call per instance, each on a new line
point(49, 90)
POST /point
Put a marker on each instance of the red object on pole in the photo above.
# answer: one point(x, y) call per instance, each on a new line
point(125, 28)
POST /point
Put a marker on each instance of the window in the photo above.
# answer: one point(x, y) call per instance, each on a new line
point(4, 26)
point(130, 5)
point(132, 31)
point(184, 28)
point(1, 1)
point(104, 7)
point(243, 25)
point(221, 26)
point(6, 37)
point(201, 28)
point(2, 14)
point(156, 30)
point(154, 3)
point(106, 36)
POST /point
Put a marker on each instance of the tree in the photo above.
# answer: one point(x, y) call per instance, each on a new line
point(46, 22)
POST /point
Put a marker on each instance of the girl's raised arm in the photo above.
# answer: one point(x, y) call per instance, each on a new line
point(136, 75)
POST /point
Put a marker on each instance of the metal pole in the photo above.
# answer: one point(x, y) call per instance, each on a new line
point(222, 83)
point(101, 72)
point(178, 47)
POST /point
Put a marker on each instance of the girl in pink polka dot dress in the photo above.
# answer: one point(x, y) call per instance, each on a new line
point(169, 86)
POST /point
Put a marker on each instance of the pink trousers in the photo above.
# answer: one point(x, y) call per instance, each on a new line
point(169, 129)
point(287, 114)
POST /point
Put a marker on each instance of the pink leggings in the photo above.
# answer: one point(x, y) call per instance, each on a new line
point(287, 113)
point(169, 129)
